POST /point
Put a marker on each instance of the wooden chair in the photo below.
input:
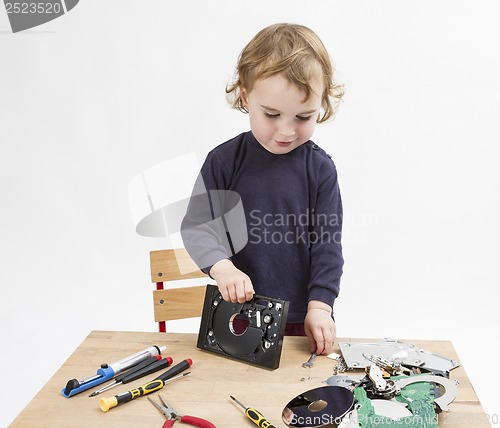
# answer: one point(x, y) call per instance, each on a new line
point(175, 303)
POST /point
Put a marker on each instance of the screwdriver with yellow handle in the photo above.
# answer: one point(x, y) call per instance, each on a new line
point(157, 383)
point(256, 417)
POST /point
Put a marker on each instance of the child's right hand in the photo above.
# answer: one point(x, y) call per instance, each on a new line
point(234, 285)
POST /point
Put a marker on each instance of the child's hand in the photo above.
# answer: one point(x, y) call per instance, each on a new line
point(234, 285)
point(320, 327)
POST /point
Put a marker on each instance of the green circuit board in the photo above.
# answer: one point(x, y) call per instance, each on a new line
point(419, 398)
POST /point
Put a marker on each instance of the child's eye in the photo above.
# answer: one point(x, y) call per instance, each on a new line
point(272, 116)
point(303, 118)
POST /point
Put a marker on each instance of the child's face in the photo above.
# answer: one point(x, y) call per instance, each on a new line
point(279, 118)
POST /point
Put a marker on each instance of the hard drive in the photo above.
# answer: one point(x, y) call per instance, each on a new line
point(252, 331)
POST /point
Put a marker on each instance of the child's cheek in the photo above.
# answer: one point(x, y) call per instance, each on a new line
point(308, 128)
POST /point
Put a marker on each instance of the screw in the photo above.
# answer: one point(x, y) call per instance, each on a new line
point(268, 318)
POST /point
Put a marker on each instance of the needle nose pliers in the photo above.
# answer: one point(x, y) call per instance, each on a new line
point(172, 416)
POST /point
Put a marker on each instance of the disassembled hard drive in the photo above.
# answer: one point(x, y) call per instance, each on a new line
point(251, 331)
point(403, 386)
point(359, 355)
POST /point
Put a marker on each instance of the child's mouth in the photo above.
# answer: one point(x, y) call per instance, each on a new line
point(283, 143)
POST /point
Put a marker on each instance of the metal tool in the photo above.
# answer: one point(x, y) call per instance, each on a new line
point(256, 417)
point(172, 416)
point(152, 386)
point(309, 363)
point(143, 369)
point(108, 371)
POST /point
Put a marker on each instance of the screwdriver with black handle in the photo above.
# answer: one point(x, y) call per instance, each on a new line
point(256, 417)
point(143, 369)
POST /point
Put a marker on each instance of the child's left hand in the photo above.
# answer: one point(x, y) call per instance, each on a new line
point(320, 327)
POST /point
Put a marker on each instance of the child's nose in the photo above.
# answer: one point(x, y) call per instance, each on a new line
point(287, 131)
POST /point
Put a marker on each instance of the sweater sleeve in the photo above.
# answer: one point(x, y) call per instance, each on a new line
point(212, 229)
point(325, 241)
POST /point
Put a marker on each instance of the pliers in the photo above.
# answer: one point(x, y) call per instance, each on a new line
point(172, 416)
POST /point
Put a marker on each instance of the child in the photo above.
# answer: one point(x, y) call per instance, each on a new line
point(287, 187)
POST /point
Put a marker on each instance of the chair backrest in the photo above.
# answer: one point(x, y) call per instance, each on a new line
point(175, 303)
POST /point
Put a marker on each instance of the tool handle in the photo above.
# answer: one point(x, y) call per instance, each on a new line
point(132, 360)
point(197, 422)
point(175, 370)
point(108, 403)
point(169, 423)
point(157, 365)
point(257, 418)
point(147, 362)
point(74, 386)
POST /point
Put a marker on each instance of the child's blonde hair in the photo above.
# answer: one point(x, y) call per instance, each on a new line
point(295, 52)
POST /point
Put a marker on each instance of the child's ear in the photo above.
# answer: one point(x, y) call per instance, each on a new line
point(244, 96)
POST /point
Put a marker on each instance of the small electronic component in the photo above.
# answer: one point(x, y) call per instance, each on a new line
point(442, 402)
point(422, 411)
point(380, 387)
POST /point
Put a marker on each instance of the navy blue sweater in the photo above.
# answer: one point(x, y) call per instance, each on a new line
point(282, 223)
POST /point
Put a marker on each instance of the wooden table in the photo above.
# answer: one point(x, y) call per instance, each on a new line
point(205, 392)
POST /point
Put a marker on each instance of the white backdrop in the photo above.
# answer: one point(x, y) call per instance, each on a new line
point(111, 89)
